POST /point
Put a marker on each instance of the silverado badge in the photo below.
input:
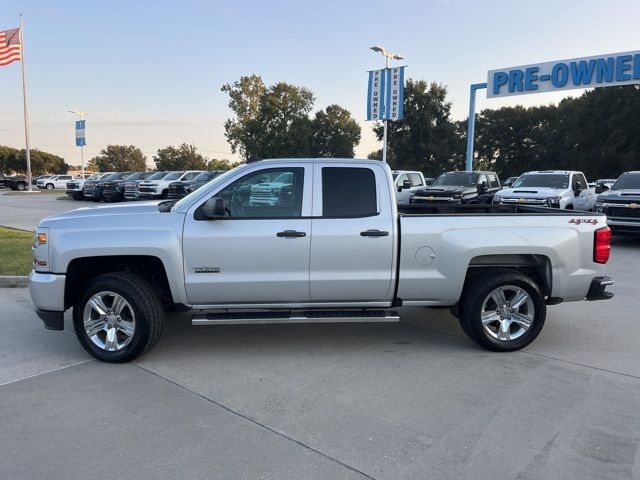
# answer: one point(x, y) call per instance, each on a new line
point(633, 205)
point(206, 269)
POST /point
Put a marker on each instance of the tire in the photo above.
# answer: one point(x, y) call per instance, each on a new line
point(165, 194)
point(137, 327)
point(49, 186)
point(21, 186)
point(78, 196)
point(504, 334)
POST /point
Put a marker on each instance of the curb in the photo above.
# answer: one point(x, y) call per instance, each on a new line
point(13, 281)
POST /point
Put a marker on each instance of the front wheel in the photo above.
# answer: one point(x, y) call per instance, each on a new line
point(502, 310)
point(21, 186)
point(49, 186)
point(118, 318)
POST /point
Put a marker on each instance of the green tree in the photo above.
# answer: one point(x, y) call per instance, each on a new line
point(375, 155)
point(223, 164)
point(335, 133)
point(119, 158)
point(14, 160)
point(272, 122)
point(425, 139)
point(184, 157)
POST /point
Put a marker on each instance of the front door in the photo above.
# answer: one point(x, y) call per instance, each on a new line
point(259, 252)
point(352, 247)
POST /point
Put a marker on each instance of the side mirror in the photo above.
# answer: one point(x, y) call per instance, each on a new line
point(405, 185)
point(577, 191)
point(482, 187)
point(213, 208)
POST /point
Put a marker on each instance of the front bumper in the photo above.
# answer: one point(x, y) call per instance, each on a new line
point(597, 290)
point(622, 225)
point(417, 200)
point(47, 294)
point(111, 194)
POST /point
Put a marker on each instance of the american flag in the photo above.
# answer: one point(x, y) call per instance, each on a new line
point(10, 50)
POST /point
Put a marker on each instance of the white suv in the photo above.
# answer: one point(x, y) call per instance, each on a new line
point(160, 188)
point(57, 181)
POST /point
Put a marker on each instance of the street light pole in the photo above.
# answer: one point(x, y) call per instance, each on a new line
point(80, 117)
point(387, 55)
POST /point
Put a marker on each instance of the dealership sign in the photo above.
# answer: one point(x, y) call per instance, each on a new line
point(587, 72)
point(385, 94)
point(80, 129)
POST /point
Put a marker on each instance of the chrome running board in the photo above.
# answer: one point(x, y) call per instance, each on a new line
point(310, 316)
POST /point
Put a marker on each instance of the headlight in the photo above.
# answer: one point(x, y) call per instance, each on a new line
point(554, 201)
point(497, 199)
point(457, 195)
point(40, 249)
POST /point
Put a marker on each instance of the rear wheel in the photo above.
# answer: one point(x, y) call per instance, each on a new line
point(49, 186)
point(118, 318)
point(502, 310)
point(21, 186)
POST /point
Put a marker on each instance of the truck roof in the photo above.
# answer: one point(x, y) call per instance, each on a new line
point(550, 172)
point(323, 160)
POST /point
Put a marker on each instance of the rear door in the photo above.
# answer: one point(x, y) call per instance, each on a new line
point(353, 234)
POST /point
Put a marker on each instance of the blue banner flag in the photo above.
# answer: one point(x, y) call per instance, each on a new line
point(385, 94)
point(80, 138)
point(394, 105)
point(375, 95)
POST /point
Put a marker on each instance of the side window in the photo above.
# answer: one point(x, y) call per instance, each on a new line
point(582, 181)
point(348, 192)
point(493, 181)
point(416, 180)
point(482, 178)
point(275, 192)
point(575, 182)
point(65, 177)
point(189, 176)
point(401, 179)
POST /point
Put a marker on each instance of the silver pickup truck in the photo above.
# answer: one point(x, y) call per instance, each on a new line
point(334, 247)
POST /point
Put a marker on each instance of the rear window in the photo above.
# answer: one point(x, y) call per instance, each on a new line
point(348, 192)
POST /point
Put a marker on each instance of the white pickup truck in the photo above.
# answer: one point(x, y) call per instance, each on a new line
point(562, 189)
point(335, 248)
point(407, 183)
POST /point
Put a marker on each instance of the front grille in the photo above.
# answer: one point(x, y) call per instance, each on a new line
point(72, 185)
point(147, 190)
point(262, 194)
point(529, 201)
point(620, 212)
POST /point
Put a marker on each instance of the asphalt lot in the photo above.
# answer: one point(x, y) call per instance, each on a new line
point(415, 400)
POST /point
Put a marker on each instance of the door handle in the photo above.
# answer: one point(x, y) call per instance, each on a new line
point(374, 233)
point(291, 234)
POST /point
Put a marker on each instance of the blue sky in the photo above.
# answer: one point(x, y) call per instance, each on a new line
point(150, 72)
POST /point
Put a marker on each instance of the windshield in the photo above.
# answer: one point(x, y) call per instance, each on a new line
point(173, 176)
point(158, 175)
point(94, 176)
point(558, 181)
point(456, 179)
point(112, 176)
point(135, 176)
point(216, 181)
point(627, 181)
point(205, 176)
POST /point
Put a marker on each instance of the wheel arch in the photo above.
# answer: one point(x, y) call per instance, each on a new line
point(538, 267)
point(81, 270)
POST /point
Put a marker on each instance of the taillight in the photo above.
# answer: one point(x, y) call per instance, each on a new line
point(602, 245)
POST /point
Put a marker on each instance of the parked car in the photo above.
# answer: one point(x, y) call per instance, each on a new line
point(621, 204)
point(93, 189)
point(75, 188)
point(508, 182)
point(159, 188)
point(554, 188)
point(131, 187)
point(178, 190)
point(604, 184)
point(113, 190)
point(17, 182)
point(54, 181)
point(34, 180)
point(407, 183)
point(335, 250)
point(459, 187)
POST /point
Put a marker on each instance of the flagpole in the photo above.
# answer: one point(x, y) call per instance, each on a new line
point(24, 99)
point(384, 121)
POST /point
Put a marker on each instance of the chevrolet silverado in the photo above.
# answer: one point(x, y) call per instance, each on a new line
point(333, 247)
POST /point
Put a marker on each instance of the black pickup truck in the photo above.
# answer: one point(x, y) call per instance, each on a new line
point(17, 182)
point(621, 204)
point(459, 188)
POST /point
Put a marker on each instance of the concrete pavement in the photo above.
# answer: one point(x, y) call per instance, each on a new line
point(330, 401)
